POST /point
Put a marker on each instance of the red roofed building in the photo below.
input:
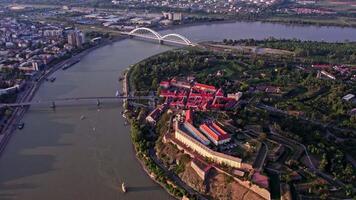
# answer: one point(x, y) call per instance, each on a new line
point(204, 87)
point(219, 93)
point(216, 135)
point(155, 114)
point(321, 66)
point(189, 116)
point(164, 84)
point(182, 94)
point(180, 84)
point(167, 93)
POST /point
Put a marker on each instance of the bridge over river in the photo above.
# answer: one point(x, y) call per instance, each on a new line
point(71, 100)
point(172, 38)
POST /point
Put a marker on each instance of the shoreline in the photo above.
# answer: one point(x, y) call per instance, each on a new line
point(29, 93)
point(261, 19)
point(150, 156)
point(265, 21)
point(126, 90)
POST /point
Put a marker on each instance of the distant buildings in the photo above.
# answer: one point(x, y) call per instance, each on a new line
point(12, 89)
point(76, 38)
point(30, 46)
point(173, 16)
point(53, 33)
point(348, 97)
point(335, 71)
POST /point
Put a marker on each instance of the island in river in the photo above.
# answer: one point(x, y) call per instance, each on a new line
point(248, 119)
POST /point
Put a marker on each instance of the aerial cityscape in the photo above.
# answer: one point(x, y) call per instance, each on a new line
point(178, 99)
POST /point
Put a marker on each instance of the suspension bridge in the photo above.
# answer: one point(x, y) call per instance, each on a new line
point(147, 33)
point(69, 100)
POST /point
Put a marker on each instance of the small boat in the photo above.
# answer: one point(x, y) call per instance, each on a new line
point(117, 93)
point(123, 187)
point(52, 79)
point(66, 66)
point(20, 125)
point(126, 123)
point(82, 117)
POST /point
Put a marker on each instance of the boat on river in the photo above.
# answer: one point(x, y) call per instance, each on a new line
point(123, 187)
point(20, 125)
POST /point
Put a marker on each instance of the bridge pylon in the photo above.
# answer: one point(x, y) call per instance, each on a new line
point(53, 106)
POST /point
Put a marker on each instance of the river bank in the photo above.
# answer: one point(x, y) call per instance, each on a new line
point(30, 92)
point(126, 91)
point(262, 21)
point(171, 183)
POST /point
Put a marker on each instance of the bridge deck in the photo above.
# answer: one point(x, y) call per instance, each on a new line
point(76, 99)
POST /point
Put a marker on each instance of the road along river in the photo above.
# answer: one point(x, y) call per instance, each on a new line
point(59, 156)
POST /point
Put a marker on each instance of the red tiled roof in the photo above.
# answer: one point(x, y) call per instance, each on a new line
point(204, 87)
point(217, 134)
point(219, 92)
point(189, 116)
point(209, 131)
point(216, 127)
point(164, 83)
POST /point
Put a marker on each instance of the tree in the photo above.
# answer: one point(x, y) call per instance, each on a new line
point(262, 136)
point(323, 162)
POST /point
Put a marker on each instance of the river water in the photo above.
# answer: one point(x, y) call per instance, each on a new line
point(59, 156)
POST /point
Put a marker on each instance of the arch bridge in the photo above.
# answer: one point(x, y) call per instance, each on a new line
point(148, 33)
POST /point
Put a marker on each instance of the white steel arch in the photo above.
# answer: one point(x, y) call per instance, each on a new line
point(159, 37)
point(175, 35)
point(172, 37)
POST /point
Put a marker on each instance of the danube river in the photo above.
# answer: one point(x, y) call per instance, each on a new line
point(60, 156)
